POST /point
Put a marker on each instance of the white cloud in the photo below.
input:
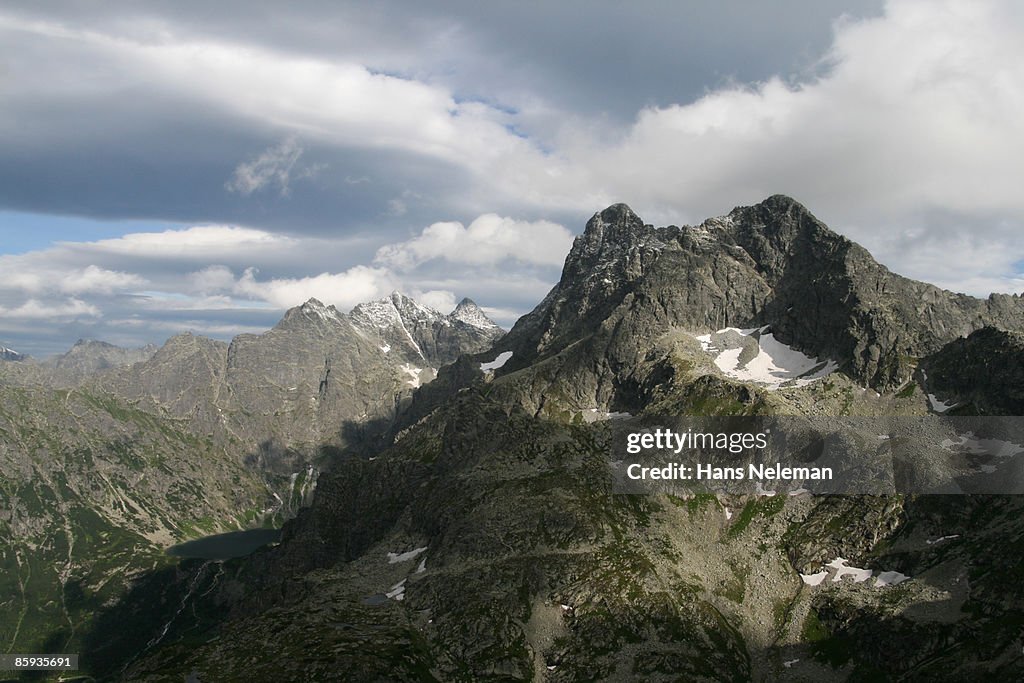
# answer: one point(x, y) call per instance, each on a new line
point(274, 167)
point(489, 240)
point(94, 279)
point(344, 290)
point(438, 299)
point(333, 100)
point(61, 310)
point(914, 115)
point(208, 241)
point(211, 280)
point(918, 111)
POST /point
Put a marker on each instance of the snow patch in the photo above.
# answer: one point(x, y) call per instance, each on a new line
point(814, 579)
point(414, 373)
point(940, 539)
point(972, 444)
point(933, 402)
point(386, 348)
point(940, 406)
point(774, 364)
point(395, 558)
point(597, 415)
point(397, 591)
point(841, 570)
point(498, 362)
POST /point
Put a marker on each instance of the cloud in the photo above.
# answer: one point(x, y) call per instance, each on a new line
point(346, 289)
point(440, 300)
point(273, 167)
point(34, 309)
point(916, 111)
point(94, 279)
point(208, 241)
point(901, 130)
point(488, 240)
point(211, 280)
point(233, 279)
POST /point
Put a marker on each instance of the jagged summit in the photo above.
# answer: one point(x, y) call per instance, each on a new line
point(615, 217)
point(316, 308)
point(400, 323)
point(468, 312)
point(773, 263)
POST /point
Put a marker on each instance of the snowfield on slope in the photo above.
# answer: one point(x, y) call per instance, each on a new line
point(755, 355)
point(497, 363)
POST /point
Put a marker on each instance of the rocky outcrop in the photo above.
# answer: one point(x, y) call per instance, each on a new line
point(317, 378)
point(983, 371)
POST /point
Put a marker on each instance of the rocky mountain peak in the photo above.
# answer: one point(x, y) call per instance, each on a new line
point(313, 310)
point(615, 221)
point(423, 334)
point(468, 312)
point(773, 263)
point(411, 311)
point(89, 356)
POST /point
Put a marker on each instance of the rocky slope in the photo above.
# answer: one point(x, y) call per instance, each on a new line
point(485, 542)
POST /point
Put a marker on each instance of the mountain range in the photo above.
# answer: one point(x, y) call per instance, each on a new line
point(466, 527)
point(109, 455)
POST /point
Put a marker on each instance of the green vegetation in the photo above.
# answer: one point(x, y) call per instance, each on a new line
point(766, 506)
point(907, 391)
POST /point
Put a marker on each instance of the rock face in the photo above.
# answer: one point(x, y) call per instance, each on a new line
point(984, 371)
point(483, 541)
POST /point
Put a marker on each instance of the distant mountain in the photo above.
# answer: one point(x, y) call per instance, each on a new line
point(484, 541)
point(89, 356)
point(423, 334)
point(11, 354)
point(317, 378)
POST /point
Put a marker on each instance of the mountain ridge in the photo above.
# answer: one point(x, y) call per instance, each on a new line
point(773, 264)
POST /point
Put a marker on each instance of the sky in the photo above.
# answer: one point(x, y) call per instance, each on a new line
point(195, 166)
